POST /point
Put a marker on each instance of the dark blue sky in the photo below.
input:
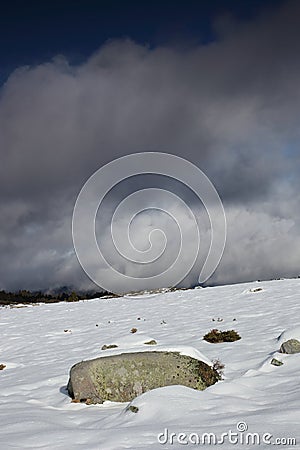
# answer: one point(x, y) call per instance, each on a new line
point(34, 31)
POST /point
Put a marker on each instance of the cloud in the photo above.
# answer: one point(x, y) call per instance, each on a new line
point(231, 107)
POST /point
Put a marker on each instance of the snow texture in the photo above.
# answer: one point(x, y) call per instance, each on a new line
point(40, 344)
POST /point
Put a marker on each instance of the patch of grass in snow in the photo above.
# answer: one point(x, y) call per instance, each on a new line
point(216, 336)
point(219, 367)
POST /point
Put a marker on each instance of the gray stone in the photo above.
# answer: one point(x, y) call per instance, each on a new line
point(276, 362)
point(107, 347)
point(123, 377)
point(132, 408)
point(290, 346)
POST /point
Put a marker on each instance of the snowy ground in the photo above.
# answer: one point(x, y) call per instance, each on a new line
point(36, 413)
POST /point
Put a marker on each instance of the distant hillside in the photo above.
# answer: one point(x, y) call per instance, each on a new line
point(24, 296)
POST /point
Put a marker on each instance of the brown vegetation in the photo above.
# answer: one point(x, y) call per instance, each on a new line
point(216, 336)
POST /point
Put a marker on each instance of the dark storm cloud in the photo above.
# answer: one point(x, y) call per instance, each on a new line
point(232, 107)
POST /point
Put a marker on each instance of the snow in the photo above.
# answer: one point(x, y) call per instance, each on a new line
point(40, 344)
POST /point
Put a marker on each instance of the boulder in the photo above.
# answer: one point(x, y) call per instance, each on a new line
point(290, 346)
point(121, 378)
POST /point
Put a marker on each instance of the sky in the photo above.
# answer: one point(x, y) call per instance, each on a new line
point(83, 83)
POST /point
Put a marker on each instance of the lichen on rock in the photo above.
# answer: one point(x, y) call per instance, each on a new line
point(123, 377)
point(290, 346)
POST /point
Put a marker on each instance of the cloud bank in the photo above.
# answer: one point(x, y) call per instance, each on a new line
point(231, 107)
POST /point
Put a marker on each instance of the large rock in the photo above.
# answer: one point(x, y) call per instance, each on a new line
point(290, 346)
point(123, 377)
